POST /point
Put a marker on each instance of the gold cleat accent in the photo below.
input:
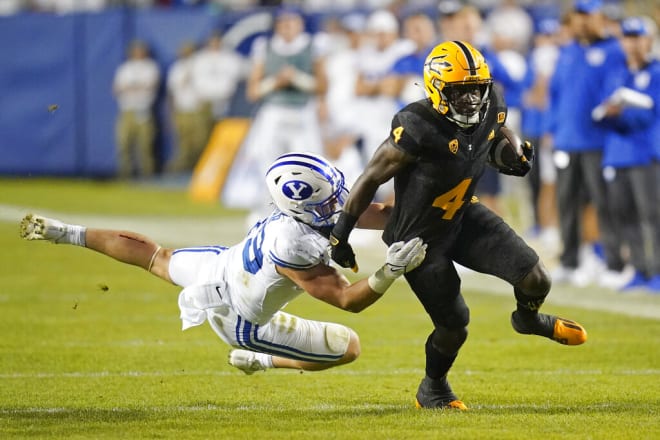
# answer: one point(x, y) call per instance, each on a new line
point(569, 332)
point(454, 404)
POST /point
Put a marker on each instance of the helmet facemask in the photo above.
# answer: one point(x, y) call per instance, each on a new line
point(465, 101)
point(326, 212)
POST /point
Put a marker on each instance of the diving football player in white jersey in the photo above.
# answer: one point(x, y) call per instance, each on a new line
point(241, 289)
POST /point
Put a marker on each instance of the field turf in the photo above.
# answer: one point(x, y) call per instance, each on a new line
point(90, 348)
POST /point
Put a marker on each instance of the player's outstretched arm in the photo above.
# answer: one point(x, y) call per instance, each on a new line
point(127, 247)
point(131, 248)
point(385, 163)
point(327, 284)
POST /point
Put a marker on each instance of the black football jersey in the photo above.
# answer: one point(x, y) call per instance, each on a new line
point(433, 192)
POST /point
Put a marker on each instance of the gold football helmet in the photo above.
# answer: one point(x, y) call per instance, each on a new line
point(457, 81)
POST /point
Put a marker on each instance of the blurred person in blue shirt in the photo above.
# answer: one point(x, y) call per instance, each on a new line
point(404, 81)
point(575, 89)
point(631, 118)
point(542, 60)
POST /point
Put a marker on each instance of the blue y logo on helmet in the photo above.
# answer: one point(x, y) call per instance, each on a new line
point(297, 190)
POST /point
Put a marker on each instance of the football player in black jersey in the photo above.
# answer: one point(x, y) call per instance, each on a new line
point(436, 151)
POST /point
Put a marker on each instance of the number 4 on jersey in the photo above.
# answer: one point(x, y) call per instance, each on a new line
point(452, 200)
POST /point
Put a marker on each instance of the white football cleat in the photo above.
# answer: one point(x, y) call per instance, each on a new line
point(36, 227)
point(562, 275)
point(245, 361)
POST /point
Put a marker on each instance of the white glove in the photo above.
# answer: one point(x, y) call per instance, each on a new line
point(402, 257)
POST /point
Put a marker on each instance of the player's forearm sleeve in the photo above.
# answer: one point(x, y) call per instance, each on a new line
point(344, 226)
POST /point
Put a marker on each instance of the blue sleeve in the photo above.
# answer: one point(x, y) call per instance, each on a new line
point(634, 119)
point(631, 119)
point(399, 67)
point(498, 71)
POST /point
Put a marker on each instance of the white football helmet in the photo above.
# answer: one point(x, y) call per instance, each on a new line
point(307, 187)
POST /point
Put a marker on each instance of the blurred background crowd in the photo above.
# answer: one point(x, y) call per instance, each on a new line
point(580, 78)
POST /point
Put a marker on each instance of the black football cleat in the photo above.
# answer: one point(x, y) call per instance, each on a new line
point(563, 331)
point(436, 393)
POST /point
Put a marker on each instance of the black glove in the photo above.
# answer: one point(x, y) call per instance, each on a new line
point(528, 151)
point(524, 164)
point(341, 251)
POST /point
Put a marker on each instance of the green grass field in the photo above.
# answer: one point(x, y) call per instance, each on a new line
point(90, 348)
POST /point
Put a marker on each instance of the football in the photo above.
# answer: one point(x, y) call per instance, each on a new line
point(506, 149)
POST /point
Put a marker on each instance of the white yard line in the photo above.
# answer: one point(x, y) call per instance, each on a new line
point(170, 231)
point(190, 231)
point(334, 372)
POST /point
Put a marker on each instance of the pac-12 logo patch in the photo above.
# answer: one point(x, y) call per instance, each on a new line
point(453, 145)
point(297, 190)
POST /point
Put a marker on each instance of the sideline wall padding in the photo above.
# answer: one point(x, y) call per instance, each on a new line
point(70, 61)
point(38, 70)
point(213, 168)
point(104, 48)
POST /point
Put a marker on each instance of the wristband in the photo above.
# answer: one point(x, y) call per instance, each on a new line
point(344, 226)
point(266, 86)
point(304, 81)
point(153, 258)
point(378, 282)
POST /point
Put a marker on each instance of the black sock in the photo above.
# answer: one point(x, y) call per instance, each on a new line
point(437, 363)
point(528, 305)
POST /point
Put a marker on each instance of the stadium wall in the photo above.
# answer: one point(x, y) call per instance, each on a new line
point(56, 71)
point(58, 112)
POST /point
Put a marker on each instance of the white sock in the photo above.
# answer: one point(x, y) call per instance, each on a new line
point(266, 360)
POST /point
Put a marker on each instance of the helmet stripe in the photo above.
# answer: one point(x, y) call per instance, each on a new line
point(306, 156)
point(325, 168)
point(324, 171)
point(467, 53)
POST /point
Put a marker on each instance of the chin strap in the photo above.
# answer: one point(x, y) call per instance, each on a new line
point(460, 120)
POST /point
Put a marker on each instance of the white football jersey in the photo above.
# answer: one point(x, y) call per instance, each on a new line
point(252, 285)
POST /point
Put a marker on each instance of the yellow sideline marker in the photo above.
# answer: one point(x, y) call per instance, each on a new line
point(213, 167)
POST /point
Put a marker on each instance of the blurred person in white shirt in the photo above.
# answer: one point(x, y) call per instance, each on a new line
point(135, 87)
point(338, 112)
point(405, 82)
point(382, 47)
point(11, 7)
point(217, 72)
point(287, 74)
point(186, 108)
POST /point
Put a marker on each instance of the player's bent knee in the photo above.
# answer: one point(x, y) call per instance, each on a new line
point(449, 341)
point(342, 340)
point(353, 350)
point(537, 282)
